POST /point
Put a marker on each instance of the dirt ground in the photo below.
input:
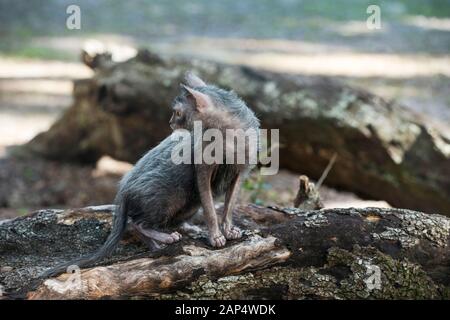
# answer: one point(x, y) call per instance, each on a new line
point(407, 61)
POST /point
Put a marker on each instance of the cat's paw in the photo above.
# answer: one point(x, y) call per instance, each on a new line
point(232, 232)
point(217, 240)
point(175, 236)
point(169, 238)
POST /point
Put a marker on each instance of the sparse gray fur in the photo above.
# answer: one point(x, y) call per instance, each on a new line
point(158, 195)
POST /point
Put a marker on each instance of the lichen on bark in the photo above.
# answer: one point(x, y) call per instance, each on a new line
point(346, 275)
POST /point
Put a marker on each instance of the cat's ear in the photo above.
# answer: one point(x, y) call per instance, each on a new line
point(193, 80)
point(202, 101)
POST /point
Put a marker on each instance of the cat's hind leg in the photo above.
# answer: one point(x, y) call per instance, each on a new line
point(166, 238)
point(149, 242)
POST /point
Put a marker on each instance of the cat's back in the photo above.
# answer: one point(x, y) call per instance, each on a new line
point(157, 170)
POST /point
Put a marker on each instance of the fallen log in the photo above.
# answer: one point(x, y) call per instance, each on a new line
point(384, 151)
point(286, 253)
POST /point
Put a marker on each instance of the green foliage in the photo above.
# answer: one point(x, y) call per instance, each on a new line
point(256, 187)
point(143, 19)
point(32, 52)
point(23, 211)
point(248, 18)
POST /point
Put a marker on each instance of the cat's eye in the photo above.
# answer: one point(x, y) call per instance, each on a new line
point(178, 113)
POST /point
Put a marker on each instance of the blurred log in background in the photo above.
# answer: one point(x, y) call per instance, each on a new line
point(384, 151)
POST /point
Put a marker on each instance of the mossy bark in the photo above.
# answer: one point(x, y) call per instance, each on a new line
point(286, 253)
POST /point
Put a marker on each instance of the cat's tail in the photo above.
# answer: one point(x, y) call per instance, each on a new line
point(117, 230)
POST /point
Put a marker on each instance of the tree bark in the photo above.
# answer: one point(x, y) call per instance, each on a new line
point(384, 151)
point(286, 253)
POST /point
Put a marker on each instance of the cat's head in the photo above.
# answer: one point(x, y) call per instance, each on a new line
point(213, 106)
point(189, 105)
